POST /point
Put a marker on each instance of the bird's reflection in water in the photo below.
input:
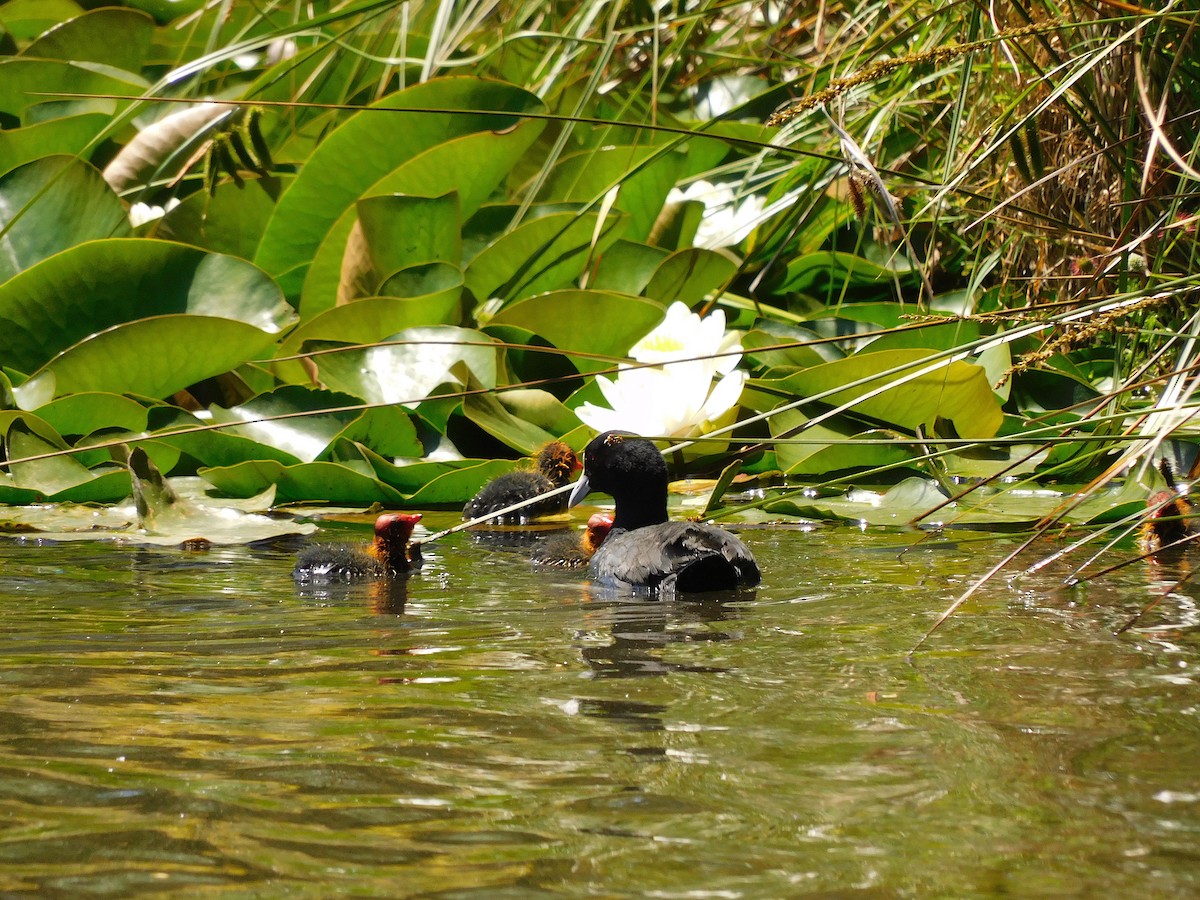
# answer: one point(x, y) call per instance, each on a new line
point(383, 596)
point(630, 638)
point(639, 632)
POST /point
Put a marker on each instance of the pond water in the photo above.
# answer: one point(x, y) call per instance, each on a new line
point(173, 720)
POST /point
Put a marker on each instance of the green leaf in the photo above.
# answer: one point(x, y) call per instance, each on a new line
point(457, 486)
point(154, 357)
point(378, 141)
point(313, 419)
point(94, 286)
point(366, 321)
point(56, 477)
point(408, 373)
point(87, 412)
point(470, 166)
point(69, 135)
point(690, 276)
point(645, 174)
point(569, 320)
point(335, 482)
point(826, 274)
point(209, 447)
point(26, 19)
point(823, 450)
point(626, 267)
point(541, 255)
point(489, 413)
point(408, 231)
point(230, 220)
point(23, 80)
point(118, 37)
point(771, 334)
point(959, 392)
point(53, 204)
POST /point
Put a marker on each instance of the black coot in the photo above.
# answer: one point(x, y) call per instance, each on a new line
point(570, 552)
point(388, 556)
point(555, 465)
point(644, 551)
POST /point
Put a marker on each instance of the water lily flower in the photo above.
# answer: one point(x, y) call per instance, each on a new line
point(673, 398)
point(141, 213)
point(727, 220)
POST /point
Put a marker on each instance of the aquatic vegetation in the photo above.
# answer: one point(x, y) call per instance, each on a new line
point(843, 252)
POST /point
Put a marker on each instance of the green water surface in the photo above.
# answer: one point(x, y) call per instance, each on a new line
point(176, 721)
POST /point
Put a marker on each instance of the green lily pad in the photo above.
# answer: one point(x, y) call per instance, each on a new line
point(626, 267)
point(132, 357)
point(645, 173)
point(91, 411)
point(379, 140)
point(26, 19)
point(53, 204)
point(568, 320)
point(315, 422)
point(335, 482)
point(117, 37)
point(958, 392)
point(82, 291)
point(471, 166)
point(67, 135)
point(489, 413)
point(541, 255)
point(230, 220)
point(408, 373)
point(22, 81)
point(690, 276)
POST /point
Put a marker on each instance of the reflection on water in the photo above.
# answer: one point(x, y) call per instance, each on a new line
point(172, 719)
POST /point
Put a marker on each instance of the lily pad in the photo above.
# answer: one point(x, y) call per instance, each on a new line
point(53, 204)
point(410, 372)
point(117, 37)
point(567, 319)
point(958, 392)
point(132, 357)
point(88, 288)
point(379, 140)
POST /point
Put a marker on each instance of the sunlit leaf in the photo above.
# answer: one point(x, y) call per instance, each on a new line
point(645, 174)
point(470, 166)
point(958, 392)
point(409, 372)
point(93, 286)
point(131, 357)
point(379, 142)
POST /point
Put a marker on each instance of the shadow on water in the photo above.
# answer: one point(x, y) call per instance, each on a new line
point(172, 720)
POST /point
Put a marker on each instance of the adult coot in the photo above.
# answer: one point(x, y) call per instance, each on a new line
point(388, 556)
point(644, 551)
point(555, 464)
point(569, 552)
